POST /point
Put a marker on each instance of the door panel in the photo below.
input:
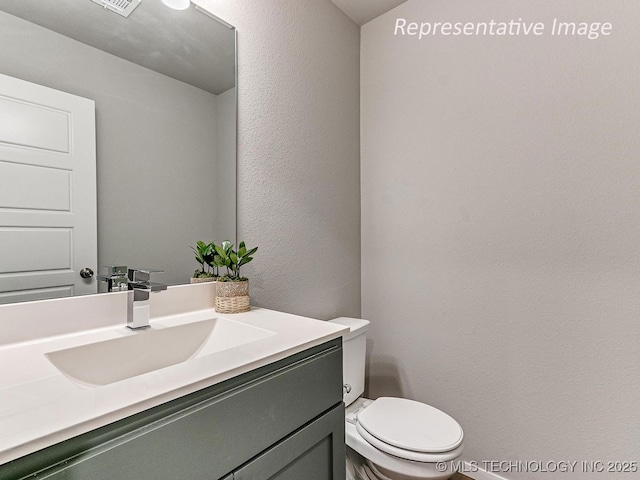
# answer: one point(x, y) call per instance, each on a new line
point(37, 294)
point(34, 249)
point(20, 193)
point(48, 225)
point(28, 124)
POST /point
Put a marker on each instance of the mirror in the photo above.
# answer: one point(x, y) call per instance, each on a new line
point(163, 82)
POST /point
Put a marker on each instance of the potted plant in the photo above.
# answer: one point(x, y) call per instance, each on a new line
point(232, 289)
point(204, 253)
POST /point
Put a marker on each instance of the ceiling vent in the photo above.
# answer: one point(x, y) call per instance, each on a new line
point(121, 7)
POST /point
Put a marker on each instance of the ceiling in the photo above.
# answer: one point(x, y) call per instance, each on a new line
point(186, 45)
point(363, 11)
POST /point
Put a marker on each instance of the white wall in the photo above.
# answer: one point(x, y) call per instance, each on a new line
point(501, 228)
point(298, 153)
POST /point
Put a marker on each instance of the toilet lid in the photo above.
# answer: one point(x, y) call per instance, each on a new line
point(410, 425)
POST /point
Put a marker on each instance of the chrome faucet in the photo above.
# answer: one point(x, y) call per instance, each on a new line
point(114, 276)
point(140, 288)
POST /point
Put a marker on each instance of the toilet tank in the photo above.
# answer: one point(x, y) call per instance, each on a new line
point(354, 349)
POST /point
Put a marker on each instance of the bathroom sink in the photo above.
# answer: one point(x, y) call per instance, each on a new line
point(136, 353)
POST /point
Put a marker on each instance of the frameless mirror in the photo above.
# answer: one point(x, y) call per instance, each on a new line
point(162, 84)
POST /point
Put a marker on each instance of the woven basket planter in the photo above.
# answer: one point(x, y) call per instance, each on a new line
point(232, 297)
point(203, 279)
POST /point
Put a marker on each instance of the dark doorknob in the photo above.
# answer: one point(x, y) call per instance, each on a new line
point(86, 272)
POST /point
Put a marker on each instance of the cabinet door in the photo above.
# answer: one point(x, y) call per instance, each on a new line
point(315, 452)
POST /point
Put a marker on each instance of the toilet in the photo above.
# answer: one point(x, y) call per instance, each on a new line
point(392, 438)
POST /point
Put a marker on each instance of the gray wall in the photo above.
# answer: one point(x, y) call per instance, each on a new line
point(225, 186)
point(156, 170)
point(501, 227)
point(299, 184)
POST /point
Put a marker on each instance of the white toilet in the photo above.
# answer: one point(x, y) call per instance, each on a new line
point(392, 438)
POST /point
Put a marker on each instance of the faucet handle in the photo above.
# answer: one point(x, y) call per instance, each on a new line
point(141, 274)
point(115, 277)
point(113, 270)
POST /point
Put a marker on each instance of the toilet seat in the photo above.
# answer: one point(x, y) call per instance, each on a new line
point(399, 467)
point(410, 430)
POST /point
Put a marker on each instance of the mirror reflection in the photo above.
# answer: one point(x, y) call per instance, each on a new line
point(161, 83)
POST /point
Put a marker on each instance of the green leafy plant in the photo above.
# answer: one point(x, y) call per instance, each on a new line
point(204, 253)
point(232, 260)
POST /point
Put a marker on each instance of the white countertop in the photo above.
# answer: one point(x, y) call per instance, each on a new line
point(39, 406)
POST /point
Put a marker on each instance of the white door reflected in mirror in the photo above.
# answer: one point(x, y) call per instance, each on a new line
point(48, 225)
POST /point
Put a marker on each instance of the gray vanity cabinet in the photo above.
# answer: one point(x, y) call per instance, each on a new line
point(283, 421)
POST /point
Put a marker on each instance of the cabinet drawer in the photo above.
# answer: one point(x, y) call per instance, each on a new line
point(205, 435)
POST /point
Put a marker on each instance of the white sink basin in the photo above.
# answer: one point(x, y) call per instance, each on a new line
point(140, 352)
